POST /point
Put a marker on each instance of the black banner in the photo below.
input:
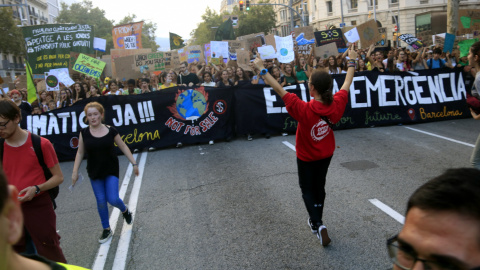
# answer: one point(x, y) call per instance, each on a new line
point(163, 118)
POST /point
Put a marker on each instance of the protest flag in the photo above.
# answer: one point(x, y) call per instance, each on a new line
point(176, 41)
point(31, 91)
point(225, 31)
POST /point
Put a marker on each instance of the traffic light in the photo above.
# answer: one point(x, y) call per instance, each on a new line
point(241, 5)
point(247, 5)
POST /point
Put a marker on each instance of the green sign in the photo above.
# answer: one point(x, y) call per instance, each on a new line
point(465, 46)
point(49, 45)
point(89, 66)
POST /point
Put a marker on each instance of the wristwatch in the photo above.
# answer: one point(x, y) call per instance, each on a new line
point(38, 190)
point(263, 72)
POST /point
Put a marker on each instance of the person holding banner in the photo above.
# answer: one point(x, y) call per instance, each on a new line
point(225, 81)
point(98, 141)
point(113, 88)
point(241, 77)
point(474, 59)
point(315, 142)
point(64, 101)
point(186, 78)
point(167, 81)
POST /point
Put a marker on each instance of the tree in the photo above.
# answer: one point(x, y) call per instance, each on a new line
point(12, 38)
point(257, 19)
point(204, 33)
point(148, 31)
point(85, 13)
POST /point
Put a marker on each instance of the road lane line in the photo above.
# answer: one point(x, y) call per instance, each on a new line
point(385, 208)
point(102, 253)
point(441, 137)
point(291, 146)
point(126, 234)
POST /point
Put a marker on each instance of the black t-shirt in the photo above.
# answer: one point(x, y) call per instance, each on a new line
point(182, 79)
point(102, 160)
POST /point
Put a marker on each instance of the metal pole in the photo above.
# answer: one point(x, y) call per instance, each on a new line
point(398, 24)
point(375, 10)
point(292, 24)
point(341, 9)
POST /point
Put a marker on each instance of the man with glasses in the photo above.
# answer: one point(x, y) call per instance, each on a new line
point(185, 78)
point(24, 171)
point(442, 225)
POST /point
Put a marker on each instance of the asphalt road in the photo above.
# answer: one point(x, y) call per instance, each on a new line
point(237, 205)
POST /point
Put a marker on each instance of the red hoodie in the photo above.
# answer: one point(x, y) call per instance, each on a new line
point(315, 138)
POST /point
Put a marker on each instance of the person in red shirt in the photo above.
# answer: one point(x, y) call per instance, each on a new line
point(315, 142)
point(37, 207)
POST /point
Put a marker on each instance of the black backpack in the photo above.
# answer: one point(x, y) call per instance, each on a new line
point(37, 146)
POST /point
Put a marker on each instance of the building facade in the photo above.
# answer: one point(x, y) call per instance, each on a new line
point(411, 16)
point(35, 13)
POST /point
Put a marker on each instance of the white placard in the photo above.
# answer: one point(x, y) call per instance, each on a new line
point(219, 49)
point(285, 53)
point(130, 42)
point(267, 52)
point(99, 44)
point(62, 75)
point(352, 35)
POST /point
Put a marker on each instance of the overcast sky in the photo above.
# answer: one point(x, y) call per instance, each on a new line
point(177, 16)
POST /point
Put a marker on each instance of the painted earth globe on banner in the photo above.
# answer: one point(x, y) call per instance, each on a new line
point(191, 104)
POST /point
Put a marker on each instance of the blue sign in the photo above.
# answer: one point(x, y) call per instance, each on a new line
point(342, 24)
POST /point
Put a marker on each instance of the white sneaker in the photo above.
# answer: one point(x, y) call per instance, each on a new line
point(211, 142)
point(284, 134)
point(322, 234)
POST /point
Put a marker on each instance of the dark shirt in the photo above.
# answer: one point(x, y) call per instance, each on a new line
point(102, 160)
point(182, 79)
point(221, 84)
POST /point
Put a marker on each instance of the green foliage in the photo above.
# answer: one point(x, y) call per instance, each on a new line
point(12, 38)
point(257, 19)
point(85, 13)
point(204, 33)
point(148, 31)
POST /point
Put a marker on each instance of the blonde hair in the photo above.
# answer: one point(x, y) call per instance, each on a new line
point(95, 105)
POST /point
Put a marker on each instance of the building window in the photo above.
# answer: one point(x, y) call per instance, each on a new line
point(353, 22)
point(353, 4)
point(329, 7)
point(393, 1)
point(394, 19)
point(371, 2)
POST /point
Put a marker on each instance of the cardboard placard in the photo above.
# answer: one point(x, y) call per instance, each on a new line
point(219, 49)
point(233, 46)
point(468, 21)
point(151, 61)
point(89, 66)
point(124, 69)
point(250, 36)
point(327, 50)
point(183, 54)
point(71, 61)
point(304, 35)
point(195, 54)
point(368, 33)
point(41, 86)
point(411, 40)
point(383, 34)
point(253, 42)
point(21, 82)
point(117, 53)
point(425, 37)
point(270, 40)
point(108, 65)
point(172, 59)
point(125, 30)
point(207, 53)
point(285, 51)
point(243, 60)
point(329, 36)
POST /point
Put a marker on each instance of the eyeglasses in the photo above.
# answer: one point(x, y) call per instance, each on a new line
point(405, 258)
point(4, 125)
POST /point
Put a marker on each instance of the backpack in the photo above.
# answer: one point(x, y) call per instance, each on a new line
point(430, 63)
point(36, 141)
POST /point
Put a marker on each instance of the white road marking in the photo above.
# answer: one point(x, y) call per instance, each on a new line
point(385, 208)
point(102, 253)
point(124, 242)
point(291, 146)
point(441, 137)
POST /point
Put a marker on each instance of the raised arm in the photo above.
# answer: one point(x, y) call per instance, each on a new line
point(269, 78)
point(369, 53)
point(351, 69)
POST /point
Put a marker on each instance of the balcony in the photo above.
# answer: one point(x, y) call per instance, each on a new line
point(33, 14)
point(5, 64)
point(43, 19)
point(352, 10)
point(371, 7)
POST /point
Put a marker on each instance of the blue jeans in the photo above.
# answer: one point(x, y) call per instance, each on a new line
point(106, 190)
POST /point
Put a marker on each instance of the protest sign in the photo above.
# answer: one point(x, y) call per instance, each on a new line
point(72, 59)
point(253, 42)
point(270, 40)
point(89, 66)
point(468, 21)
point(62, 75)
point(383, 34)
point(465, 46)
point(304, 36)
point(368, 33)
point(130, 42)
point(99, 44)
point(285, 53)
point(233, 46)
point(172, 59)
point(327, 50)
point(243, 60)
point(234, 19)
point(261, 34)
point(21, 82)
point(449, 41)
point(49, 46)
point(352, 35)
point(329, 36)
point(195, 54)
point(183, 54)
point(267, 52)
point(411, 40)
point(108, 64)
point(124, 69)
point(216, 61)
point(51, 82)
point(219, 49)
point(125, 30)
point(117, 53)
point(425, 37)
point(150, 61)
